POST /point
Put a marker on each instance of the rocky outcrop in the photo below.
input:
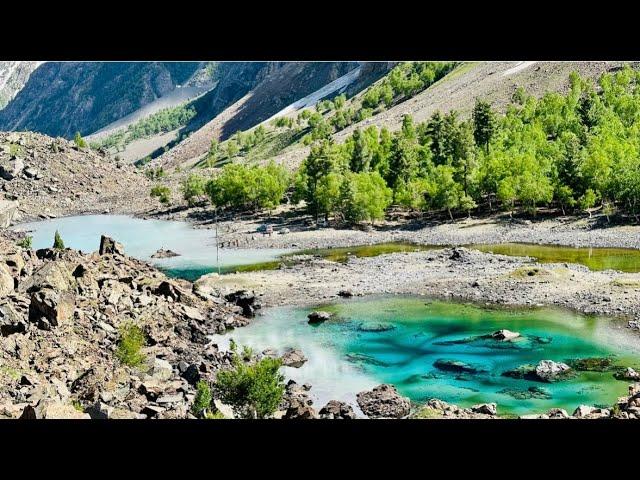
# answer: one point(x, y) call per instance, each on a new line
point(60, 332)
point(628, 374)
point(6, 281)
point(296, 403)
point(504, 335)
point(383, 402)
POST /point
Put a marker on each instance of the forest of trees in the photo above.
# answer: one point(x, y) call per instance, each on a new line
point(572, 152)
point(163, 121)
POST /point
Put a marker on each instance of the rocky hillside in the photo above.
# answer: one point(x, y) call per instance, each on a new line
point(60, 317)
point(43, 177)
point(61, 98)
point(13, 76)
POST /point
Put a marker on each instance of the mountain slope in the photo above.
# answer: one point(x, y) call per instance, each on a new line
point(13, 76)
point(282, 84)
point(61, 98)
point(492, 81)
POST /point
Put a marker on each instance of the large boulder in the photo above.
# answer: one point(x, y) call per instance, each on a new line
point(6, 281)
point(335, 410)
point(383, 402)
point(551, 371)
point(244, 300)
point(54, 275)
point(586, 411)
point(10, 169)
point(504, 335)
point(50, 308)
point(11, 321)
point(293, 357)
point(8, 211)
point(109, 246)
point(160, 369)
point(319, 317)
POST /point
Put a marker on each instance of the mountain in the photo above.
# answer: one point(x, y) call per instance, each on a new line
point(13, 76)
point(61, 98)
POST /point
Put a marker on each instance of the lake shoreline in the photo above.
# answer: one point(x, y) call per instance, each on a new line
point(449, 273)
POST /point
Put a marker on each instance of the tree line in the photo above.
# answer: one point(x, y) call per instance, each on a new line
point(572, 151)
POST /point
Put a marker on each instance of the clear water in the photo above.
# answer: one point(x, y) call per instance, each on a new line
point(142, 238)
point(345, 359)
point(622, 259)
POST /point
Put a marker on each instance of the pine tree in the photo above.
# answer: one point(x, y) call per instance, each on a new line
point(58, 244)
point(483, 124)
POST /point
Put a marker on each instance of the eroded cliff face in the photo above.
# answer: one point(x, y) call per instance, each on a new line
point(13, 76)
point(61, 98)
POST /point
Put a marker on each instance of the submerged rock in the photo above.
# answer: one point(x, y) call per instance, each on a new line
point(319, 316)
point(504, 335)
point(531, 392)
point(376, 327)
point(383, 402)
point(364, 358)
point(595, 364)
point(293, 357)
point(455, 366)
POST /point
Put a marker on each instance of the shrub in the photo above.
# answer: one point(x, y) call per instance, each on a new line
point(201, 406)
point(26, 242)
point(79, 141)
point(253, 390)
point(58, 244)
point(162, 192)
point(131, 342)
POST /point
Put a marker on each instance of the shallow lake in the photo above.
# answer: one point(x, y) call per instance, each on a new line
point(353, 352)
point(142, 238)
point(622, 259)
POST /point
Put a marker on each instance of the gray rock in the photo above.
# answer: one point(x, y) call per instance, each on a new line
point(10, 169)
point(505, 335)
point(485, 408)
point(6, 281)
point(160, 369)
point(551, 371)
point(335, 410)
point(383, 402)
point(293, 357)
point(8, 212)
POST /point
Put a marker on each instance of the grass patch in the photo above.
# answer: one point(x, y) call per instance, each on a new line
point(10, 372)
point(427, 413)
point(77, 405)
point(527, 272)
point(130, 345)
point(626, 282)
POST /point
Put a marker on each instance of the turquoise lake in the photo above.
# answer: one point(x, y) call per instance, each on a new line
point(142, 238)
point(344, 358)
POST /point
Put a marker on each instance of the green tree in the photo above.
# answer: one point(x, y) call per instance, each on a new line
point(202, 403)
point(129, 349)
point(364, 196)
point(483, 124)
point(58, 244)
point(162, 192)
point(192, 188)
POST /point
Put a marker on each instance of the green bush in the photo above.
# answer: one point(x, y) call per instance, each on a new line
point(26, 242)
point(192, 188)
point(79, 141)
point(201, 406)
point(162, 192)
point(130, 345)
point(253, 390)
